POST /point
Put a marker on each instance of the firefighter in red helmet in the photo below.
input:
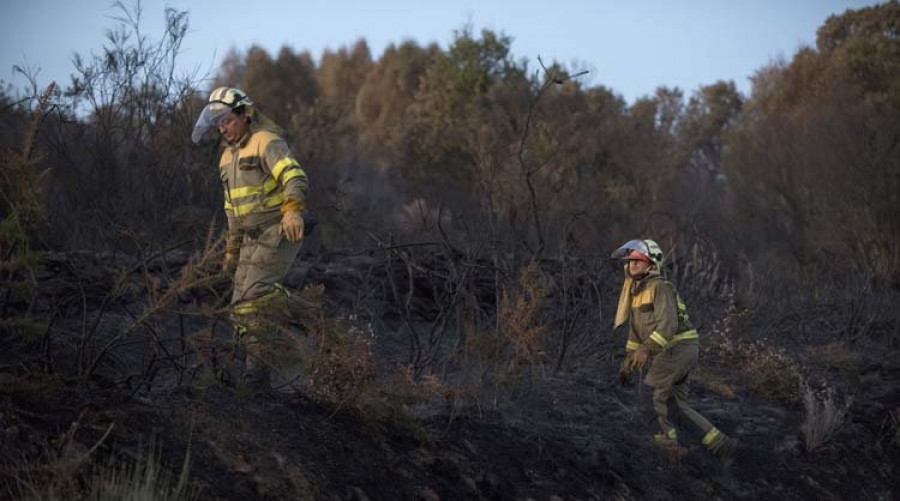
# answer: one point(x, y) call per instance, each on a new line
point(660, 332)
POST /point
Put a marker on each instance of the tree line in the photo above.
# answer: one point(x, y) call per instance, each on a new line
point(795, 185)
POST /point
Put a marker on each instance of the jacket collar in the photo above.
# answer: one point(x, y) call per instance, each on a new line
point(240, 143)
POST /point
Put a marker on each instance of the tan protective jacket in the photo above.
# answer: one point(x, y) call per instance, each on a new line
point(658, 316)
point(262, 179)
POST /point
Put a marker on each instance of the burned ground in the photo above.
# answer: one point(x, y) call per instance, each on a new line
point(576, 434)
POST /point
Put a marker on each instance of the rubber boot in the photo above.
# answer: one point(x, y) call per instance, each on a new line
point(667, 440)
point(666, 437)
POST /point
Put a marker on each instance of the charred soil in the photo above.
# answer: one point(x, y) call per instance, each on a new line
point(573, 435)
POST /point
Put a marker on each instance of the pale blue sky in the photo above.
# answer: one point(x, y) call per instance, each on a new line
point(631, 46)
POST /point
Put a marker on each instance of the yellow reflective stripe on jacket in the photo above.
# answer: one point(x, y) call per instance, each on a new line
point(691, 334)
point(228, 206)
point(268, 202)
point(259, 174)
point(292, 174)
point(632, 345)
point(659, 339)
point(247, 208)
point(244, 209)
point(246, 191)
point(662, 341)
point(274, 200)
point(283, 164)
point(683, 317)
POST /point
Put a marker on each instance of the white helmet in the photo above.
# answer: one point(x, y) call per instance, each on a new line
point(222, 101)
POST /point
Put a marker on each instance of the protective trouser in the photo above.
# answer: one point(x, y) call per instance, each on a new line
point(264, 259)
point(669, 377)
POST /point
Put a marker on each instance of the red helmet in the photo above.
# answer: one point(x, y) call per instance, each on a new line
point(636, 255)
point(642, 250)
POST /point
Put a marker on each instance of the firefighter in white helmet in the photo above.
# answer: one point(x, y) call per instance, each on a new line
point(659, 327)
point(265, 198)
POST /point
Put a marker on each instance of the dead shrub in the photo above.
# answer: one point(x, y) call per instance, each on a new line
point(406, 389)
point(22, 179)
point(485, 345)
point(703, 279)
point(519, 319)
point(22, 183)
point(773, 372)
point(340, 366)
point(162, 296)
point(405, 399)
point(836, 355)
point(770, 371)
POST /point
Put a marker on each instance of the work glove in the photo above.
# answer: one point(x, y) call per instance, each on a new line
point(292, 224)
point(640, 358)
point(625, 370)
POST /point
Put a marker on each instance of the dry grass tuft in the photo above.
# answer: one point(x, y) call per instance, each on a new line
point(890, 428)
point(143, 480)
point(69, 470)
point(824, 415)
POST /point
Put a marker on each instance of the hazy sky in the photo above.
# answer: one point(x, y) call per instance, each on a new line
point(631, 46)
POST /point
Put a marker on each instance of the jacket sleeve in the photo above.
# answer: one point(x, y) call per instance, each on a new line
point(287, 172)
point(665, 316)
point(634, 342)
